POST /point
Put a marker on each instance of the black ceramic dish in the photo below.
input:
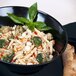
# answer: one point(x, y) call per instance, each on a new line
point(53, 69)
point(58, 33)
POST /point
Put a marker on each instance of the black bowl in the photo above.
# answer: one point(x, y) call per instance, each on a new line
point(58, 32)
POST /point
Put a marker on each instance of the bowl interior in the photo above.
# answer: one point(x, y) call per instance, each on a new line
point(58, 32)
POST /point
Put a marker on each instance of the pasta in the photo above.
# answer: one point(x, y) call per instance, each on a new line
point(25, 46)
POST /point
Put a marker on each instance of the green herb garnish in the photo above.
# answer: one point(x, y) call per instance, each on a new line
point(39, 58)
point(41, 26)
point(30, 22)
point(33, 12)
point(2, 43)
point(37, 41)
point(8, 58)
point(19, 20)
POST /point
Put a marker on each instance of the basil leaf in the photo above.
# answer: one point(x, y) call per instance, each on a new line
point(31, 26)
point(15, 18)
point(37, 41)
point(21, 20)
point(39, 58)
point(41, 26)
point(45, 28)
point(28, 23)
point(8, 58)
point(33, 11)
point(2, 43)
point(24, 20)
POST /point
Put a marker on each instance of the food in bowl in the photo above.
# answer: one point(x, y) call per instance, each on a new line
point(27, 43)
point(19, 45)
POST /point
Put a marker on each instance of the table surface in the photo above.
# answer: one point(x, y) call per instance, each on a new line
point(63, 10)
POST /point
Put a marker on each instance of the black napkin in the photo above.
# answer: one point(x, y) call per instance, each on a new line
point(71, 30)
